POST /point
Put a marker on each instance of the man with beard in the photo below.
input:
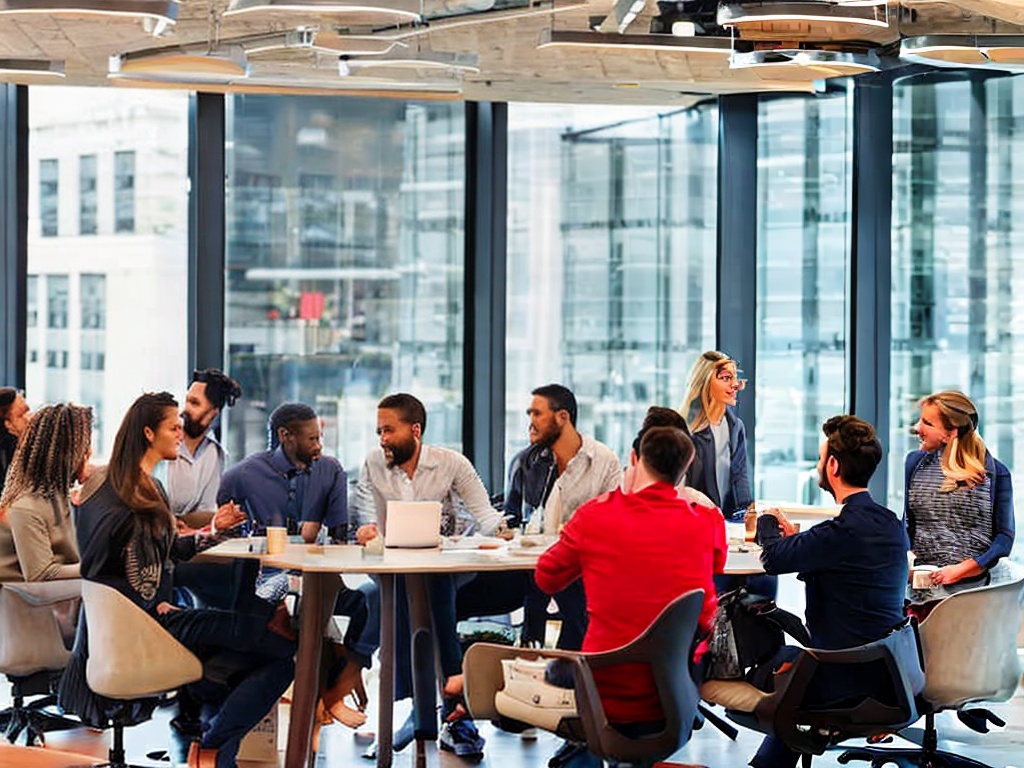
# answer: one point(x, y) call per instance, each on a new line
point(559, 471)
point(854, 568)
point(405, 468)
point(193, 479)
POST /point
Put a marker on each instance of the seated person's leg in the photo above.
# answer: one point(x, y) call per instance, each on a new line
point(535, 616)
point(572, 606)
point(762, 584)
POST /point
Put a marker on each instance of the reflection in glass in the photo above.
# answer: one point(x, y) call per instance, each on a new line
point(957, 260)
point(344, 264)
point(107, 314)
point(611, 260)
point(803, 254)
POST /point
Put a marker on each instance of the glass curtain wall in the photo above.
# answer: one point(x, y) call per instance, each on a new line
point(803, 258)
point(345, 228)
point(107, 302)
point(611, 260)
point(958, 260)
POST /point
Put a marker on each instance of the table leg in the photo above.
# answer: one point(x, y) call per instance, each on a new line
point(386, 694)
point(424, 674)
point(319, 591)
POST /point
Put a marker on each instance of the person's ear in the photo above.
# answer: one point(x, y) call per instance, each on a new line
point(417, 431)
point(281, 432)
point(633, 459)
point(149, 433)
point(832, 465)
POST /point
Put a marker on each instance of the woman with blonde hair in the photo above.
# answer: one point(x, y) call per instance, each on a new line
point(718, 433)
point(37, 541)
point(959, 498)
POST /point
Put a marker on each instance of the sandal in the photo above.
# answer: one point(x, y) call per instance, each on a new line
point(200, 757)
point(320, 719)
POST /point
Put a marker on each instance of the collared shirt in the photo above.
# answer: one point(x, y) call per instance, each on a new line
point(441, 475)
point(272, 490)
point(192, 480)
point(593, 470)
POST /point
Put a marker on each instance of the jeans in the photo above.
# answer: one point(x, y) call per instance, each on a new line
point(762, 584)
point(572, 606)
point(362, 606)
point(262, 667)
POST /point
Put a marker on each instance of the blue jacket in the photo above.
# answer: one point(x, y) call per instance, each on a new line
point(1002, 506)
point(737, 496)
point(854, 567)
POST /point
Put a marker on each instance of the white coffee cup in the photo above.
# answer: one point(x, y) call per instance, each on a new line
point(277, 539)
point(922, 576)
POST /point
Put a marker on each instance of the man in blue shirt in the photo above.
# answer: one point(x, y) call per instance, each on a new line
point(854, 568)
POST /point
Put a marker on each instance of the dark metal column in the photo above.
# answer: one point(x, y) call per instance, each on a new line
point(870, 307)
point(206, 231)
point(13, 232)
point(483, 413)
point(737, 245)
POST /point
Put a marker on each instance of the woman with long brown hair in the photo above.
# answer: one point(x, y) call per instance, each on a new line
point(37, 541)
point(959, 498)
point(129, 541)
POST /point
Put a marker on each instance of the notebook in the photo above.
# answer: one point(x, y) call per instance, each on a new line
point(413, 524)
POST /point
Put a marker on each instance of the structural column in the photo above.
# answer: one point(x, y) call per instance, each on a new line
point(13, 232)
point(737, 245)
point(483, 415)
point(870, 307)
point(206, 230)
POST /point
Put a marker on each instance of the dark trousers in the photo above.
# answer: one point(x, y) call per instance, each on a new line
point(441, 589)
point(762, 584)
point(572, 607)
point(258, 666)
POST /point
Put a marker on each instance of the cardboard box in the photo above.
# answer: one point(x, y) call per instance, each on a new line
point(260, 744)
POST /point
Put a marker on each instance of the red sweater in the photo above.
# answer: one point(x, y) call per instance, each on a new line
point(636, 553)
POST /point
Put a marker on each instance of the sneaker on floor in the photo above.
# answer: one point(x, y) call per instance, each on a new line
point(528, 734)
point(462, 738)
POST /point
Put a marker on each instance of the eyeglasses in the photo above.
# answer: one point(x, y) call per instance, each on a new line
point(730, 380)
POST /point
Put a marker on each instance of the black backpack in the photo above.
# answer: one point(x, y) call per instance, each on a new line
point(749, 630)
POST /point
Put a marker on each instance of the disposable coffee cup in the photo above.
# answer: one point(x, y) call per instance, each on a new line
point(277, 539)
point(922, 578)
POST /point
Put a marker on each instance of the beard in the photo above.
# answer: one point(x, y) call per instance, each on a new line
point(547, 438)
point(825, 485)
point(192, 427)
point(399, 453)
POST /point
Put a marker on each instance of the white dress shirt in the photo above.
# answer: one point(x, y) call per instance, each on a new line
point(594, 470)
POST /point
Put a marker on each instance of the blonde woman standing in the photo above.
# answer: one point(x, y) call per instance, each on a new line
point(718, 433)
point(958, 500)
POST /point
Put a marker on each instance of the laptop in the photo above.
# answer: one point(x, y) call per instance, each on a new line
point(413, 524)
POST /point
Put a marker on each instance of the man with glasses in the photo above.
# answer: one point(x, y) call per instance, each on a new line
point(560, 470)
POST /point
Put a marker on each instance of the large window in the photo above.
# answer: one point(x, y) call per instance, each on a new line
point(803, 255)
point(344, 264)
point(958, 260)
point(111, 311)
point(611, 259)
point(49, 187)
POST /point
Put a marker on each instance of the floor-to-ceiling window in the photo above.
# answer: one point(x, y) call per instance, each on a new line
point(611, 259)
point(344, 263)
point(957, 259)
point(803, 256)
point(108, 300)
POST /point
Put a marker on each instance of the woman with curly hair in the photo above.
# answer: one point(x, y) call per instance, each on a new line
point(37, 541)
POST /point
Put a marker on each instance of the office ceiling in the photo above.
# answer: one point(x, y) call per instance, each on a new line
point(485, 49)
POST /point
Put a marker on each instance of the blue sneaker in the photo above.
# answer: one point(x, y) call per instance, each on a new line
point(462, 738)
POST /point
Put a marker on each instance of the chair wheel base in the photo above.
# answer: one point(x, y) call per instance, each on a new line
point(908, 758)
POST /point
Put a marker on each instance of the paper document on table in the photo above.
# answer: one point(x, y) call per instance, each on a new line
point(457, 543)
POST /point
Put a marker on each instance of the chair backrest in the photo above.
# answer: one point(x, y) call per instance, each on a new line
point(667, 646)
point(32, 638)
point(970, 644)
point(130, 655)
point(809, 728)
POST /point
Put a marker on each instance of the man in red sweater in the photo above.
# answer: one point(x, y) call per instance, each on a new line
point(636, 552)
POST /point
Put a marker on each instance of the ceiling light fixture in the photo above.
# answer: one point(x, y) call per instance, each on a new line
point(423, 58)
point(159, 12)
point(395, 11)
point(1002, 52)
point(182, 65)
point(804, 65)
point(560, 38)
point(855, 14)
point(31, 68)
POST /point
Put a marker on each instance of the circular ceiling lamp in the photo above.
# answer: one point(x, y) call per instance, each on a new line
point(568, 39)
point(817, 17)
point(181, 66)
point(805, 65)
point(352, 12)
point(31, 68)
point(156, 11)
point(1001, 52)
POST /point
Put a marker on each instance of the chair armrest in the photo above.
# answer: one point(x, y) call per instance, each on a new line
point(46, 592)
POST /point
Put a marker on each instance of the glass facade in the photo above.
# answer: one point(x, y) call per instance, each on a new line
point(803, 257)
point(957, 260)
point(344, 264)
point(611, 260)
point(107, 313)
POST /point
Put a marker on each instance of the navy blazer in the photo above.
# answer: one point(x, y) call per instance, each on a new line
point(737, 496)
point(1001, 489)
